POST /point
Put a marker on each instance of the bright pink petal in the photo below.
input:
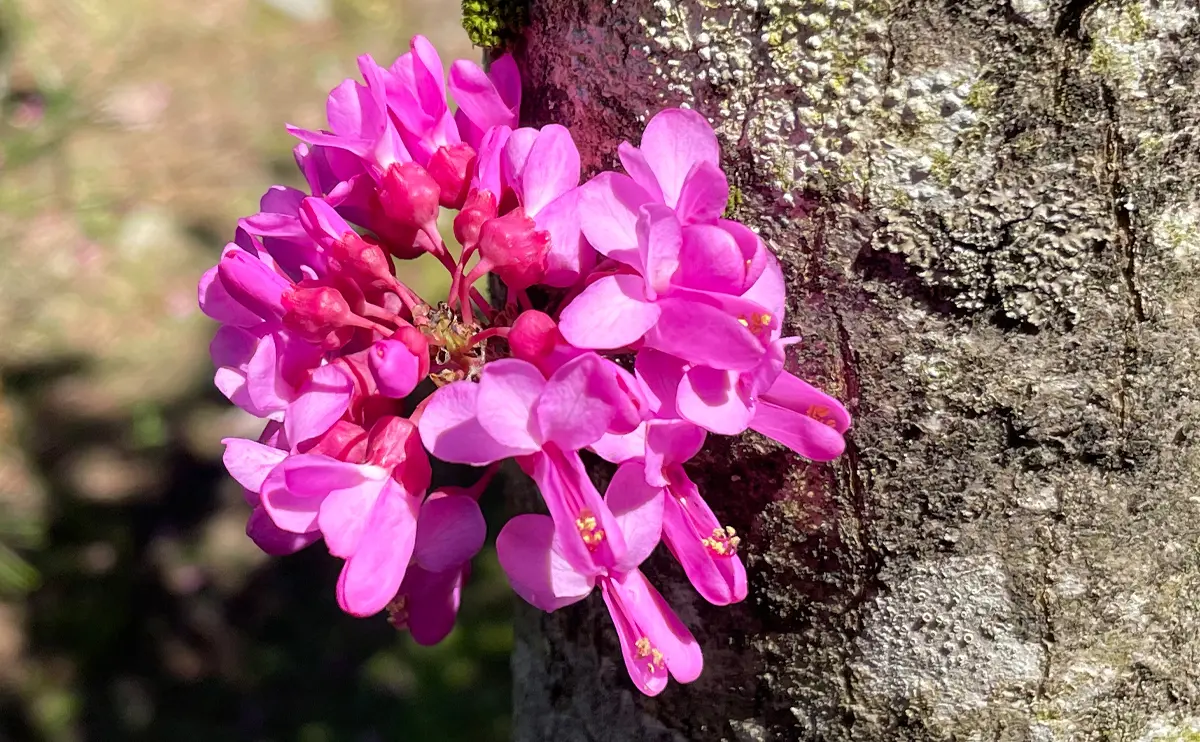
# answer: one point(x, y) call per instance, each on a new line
point(638, 510)
point(477, 97)
point(536, 568)
point(710, 260)
point(324, 225)
point(800, 432)
point(372, 577)
point(319, 404)
point(267, 389)
point(768, 290)
point(757, 258)
point(508, 391)
point(551, 169)
point(670, 442)
point(489, 161)
point(708, 329)
point(292, 512)
point(611, 313)
point(570, 256)
point(216, 302)
point(659, 241)
point(576, 404)
point(451, 431)
point(506, 77)
point(249, 462)
point(797, 394)
point(588, 535)
point(621, 448)
point(653, 639)
point(450, 531)
point(676, 140)
point(635, 164)
point(704, 194)
point(232, 346)
point(274, 540)
point(702, 546)
point(515, 155)
point(660, 374)
point(608, 208)
point(713, 400)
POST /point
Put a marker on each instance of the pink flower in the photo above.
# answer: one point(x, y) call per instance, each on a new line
point(549, 575)
point(249, 463)
point(485, 99)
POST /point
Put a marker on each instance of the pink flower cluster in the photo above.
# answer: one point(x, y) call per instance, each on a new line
point(663, 323)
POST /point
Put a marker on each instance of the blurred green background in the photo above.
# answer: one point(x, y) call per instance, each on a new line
point(133, 133)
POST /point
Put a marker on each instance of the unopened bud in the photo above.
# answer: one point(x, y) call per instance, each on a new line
point(514, 249)
point(397, 365)
point(533, 336)
point(320, 314)
point(479, 207)
point(252, 284)
point(409, 195)
point(394, 444)
point(361, 257)
point(452, 168)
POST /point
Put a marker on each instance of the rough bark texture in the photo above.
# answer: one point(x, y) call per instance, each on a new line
point(988, 215)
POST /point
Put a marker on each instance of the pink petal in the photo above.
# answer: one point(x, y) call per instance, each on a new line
point(692, 328)
point(267, 389)
point(451, 431)
point(250, 281)
point(797, 394)
point(508, 390)
point(431, 602)
point(344, 515)
point(489, 161)
point(608, 207)
point(611, 313)
point(768, 290)
point(319, 404)
point(640, 613)
point(808, 437)
point(249, 462)
point(669, 442)
point(535, 566)
point(515, 155)
point(427, 71)
point(477, 97)
point(704, 194)
point(572, 499)
point(551, 169)
point(232, 346)
point(324, 225)
point(621, 448)
point(316, 475)
point(689, 527)
point(344, 109)
point(575, 406)
point(675, 141)
point(659, 242)
point(506, 76)
point(570, 256)
point(638, 510)
point(372, 577)
point(757, 258)
point(232, 383)
point(450, 531)
point(217, 304)
point(660, 374)
point(711, 260)
point(294, 513)
point(274, 540)
point(637, 167)
point(713, 400)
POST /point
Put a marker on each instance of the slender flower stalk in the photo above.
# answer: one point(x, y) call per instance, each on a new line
point(636, 320)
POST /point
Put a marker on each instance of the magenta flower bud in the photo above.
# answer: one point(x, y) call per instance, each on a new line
point(397, 367)
point(514, 249)
point(452, 168)
point(360, 257)
point(409, 195)
point(533, 336)
point(479, 207)
point(252, 284)
point(320, 314)
point(394, 444)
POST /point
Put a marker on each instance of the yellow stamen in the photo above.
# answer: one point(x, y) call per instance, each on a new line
point(592, 535)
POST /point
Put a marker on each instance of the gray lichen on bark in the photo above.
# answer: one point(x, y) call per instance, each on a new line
point(989, 219)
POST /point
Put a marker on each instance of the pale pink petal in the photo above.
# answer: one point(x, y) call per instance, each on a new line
point(659, 242)
point(637, 508)
point(621, 448)
point(515, 155)
point(570, 256)
point(660, 374)
point(676, 140)
point(713, 400)
point(704, 194)
point(264, 384)
point(294, 513)
point(344, 514)
point(232, 383)
point(611, 313)
point(324, 225)
point(508, 390)
point(274, 540)
point(428, 75)
point(344, 109)
point(506, 76)
point(608, 210)
point(319, 403)
point(249, 462)
point(450, 531)
point(710, 260)
point(702, 546)
point(356, 146)
point(536, 568)
point(372, 577)
point(575, 406)
point(551, 169)
point(635, 164)
point(670, 442)
point(451, 431)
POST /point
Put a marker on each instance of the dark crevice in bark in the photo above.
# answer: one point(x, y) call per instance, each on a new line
point(1070, 20)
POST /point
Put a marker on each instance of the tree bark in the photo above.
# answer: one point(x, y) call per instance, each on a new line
point(988, 217)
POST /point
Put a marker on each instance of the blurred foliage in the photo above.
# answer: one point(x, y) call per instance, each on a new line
point(493, 24)
point(132, 607)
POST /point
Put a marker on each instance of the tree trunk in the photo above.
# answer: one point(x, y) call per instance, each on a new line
point(988, 217)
